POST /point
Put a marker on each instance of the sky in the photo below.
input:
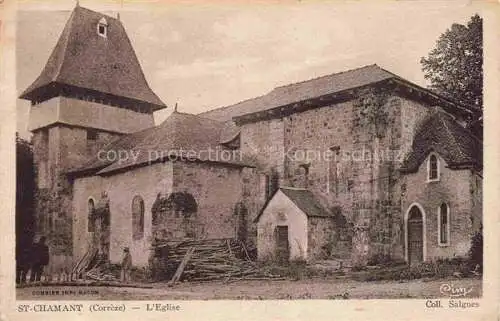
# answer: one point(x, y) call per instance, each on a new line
point(205, 56)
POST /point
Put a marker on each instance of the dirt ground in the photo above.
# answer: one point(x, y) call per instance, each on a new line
point(256, 290)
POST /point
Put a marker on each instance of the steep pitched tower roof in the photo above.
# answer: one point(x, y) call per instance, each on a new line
point(94, 57)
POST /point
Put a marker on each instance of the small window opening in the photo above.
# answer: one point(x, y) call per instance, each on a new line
point(444, 224)
point(91, 134)
point(433, 168)
point(91, 217)
point(102, 28)
point(333, 172)
point(137, 218)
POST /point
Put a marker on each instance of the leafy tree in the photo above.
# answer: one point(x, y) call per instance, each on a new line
point(455, 66)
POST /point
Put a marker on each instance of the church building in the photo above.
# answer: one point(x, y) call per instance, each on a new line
point(361, 165)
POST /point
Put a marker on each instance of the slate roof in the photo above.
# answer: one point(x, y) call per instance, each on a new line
point(305, 200)
point(84, 59)
point(309, 89)
point(229, 132)
point(124, 143)
point(440, 133)
point(181, 135)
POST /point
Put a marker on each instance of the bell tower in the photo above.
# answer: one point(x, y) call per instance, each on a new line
point(91, 90)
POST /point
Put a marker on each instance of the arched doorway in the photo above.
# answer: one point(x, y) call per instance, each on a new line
point(415, 237)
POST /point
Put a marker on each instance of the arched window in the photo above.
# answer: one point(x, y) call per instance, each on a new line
point(137, 218)
point(444, 225)
point(90, 215)
point(433, 168)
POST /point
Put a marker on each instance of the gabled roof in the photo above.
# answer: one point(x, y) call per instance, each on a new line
point(304, 199)
point(440, 133)
point(288, 94)
point(181, 136)
point(315, 88)
point(84, 59)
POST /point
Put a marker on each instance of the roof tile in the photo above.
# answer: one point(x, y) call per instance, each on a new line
point(284, 95)
point(84, 59)
point(439, 132)
point(180, 136)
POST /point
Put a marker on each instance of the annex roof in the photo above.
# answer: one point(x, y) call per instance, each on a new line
point(181, 136)
point(305, 200)
point(439, 132)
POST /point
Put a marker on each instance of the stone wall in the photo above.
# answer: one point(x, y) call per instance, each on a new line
point(146, 182)
point(263, 142)
point(321, 235)
point(454, 188)
point(253, 184)
point(56, 150)
point(349, 154)
point(175, 217)
point(60, 143)
point(412, 115)
point(217, 189)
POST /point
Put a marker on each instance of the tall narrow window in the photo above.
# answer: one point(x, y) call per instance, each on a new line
point(444, 225)
point(305, 177)
point(90, 215)
point(433, 168)
point(137, 218)
point(333, 171)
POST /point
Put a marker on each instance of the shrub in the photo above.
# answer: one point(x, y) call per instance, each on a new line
point(476, 251)
point(358, 268)
point(379, 259)
point(296, 270)
point(442, 268)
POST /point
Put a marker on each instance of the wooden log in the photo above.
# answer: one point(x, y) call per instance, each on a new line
point(246, 252)
point(229, 247)
point(181, 267)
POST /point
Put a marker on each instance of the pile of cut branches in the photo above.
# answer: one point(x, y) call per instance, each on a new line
point(214, 259)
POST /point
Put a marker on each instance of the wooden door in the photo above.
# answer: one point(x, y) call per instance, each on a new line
point(415, 236)
point(282, 245)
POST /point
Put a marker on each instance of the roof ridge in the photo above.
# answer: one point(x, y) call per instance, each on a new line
point(93, 11)
point(197, 116)
point(390, 72)
point(328, 75)
point(70, 23)
point(294, 188)
point(295, 83)
point(236, 103)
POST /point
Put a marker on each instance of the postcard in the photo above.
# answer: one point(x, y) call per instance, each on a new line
point(250, 161)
